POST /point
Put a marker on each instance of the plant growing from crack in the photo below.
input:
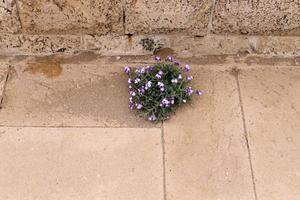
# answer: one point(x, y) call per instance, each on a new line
point(157, 91)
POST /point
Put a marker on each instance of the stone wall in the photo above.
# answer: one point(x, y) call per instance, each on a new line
point(48, 24)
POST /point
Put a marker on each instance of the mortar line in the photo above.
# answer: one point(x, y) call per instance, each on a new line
point(79, 127)
point(209, 26)
point(124, 15)
point(18, 13)
point(4, 85)
point(163, 160)
point(246, 134)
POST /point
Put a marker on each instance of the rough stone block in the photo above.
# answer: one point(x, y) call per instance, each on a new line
point(161, 16)
point(71, 16)
point(9, 21)
point(270, 17)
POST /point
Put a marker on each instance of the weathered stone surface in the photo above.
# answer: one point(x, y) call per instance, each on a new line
point(85, 163)
point(163, 16)
point(9, 21)
point(181, 44)
point(271, 100)
point(50, 44)
point(76, 91)
point(206, 153)
point(71, 16)
point(270, 17)
point(39, 44)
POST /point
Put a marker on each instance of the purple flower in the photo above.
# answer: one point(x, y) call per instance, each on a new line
point(139, 106)
point(170, 58)
point(131, 106)
point(189, 91)
point(157, 58)
point(175, 80)
point(162, 89)
point(160, 84)
point(149, 68)
point(148, 85)
point(199, 92)
point(152, 118)
point(176, 63)
point(142, 70)
point(189, 78)
point(129, 86)
point(165, 103)
point(137, 80)
point(132, 93)
point(129, 80)
point(187, 68)
point(179, 76)
point(160, 72)
point(126, 70)
point(158, 76)
point(142, 90)
point(130, 99)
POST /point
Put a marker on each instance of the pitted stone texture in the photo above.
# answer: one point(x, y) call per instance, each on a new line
point(50, 44)
point(163, 16)
point(125, 45)
point(39, 44)
point(206, 152)
point(74, 91)
point(9, 21)
point(82, 163)
point(71, 16)
point(270, 17)
point(271, 101)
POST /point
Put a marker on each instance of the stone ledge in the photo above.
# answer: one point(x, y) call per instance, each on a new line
point(177, 44)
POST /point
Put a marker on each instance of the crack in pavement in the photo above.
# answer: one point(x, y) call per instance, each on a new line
point(235, 72)
point(163, 160)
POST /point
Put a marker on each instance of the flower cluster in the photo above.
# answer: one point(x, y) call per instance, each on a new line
point(156, 91)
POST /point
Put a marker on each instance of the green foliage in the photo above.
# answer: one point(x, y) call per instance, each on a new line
point(158, 91)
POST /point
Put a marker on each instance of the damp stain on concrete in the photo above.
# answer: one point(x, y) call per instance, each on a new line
point(48, 66)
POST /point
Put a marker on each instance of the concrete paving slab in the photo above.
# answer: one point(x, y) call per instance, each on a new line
point(271, 100)
point(48, 91)
point(80, 163)
point(205, 150)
